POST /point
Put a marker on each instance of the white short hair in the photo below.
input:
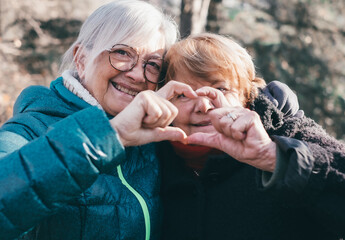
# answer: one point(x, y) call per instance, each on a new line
point(131, 22)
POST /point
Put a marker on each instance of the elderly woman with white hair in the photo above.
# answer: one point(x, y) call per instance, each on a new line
point(70, 162)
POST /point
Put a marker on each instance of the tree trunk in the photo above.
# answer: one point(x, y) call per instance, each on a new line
point(193, 16)
point(214, 16)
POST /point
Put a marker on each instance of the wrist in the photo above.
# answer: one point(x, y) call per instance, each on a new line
point(118, 129)
point(270, 157)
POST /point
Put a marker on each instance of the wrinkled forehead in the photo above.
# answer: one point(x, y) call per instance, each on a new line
point(154, 44)
point(198, 80)
point(195, 82)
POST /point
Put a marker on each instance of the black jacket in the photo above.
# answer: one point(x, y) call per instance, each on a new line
point(304, 200)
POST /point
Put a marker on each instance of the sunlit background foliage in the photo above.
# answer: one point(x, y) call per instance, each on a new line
point(299, 42)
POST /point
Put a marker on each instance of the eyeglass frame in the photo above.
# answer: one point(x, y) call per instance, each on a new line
point(144, 64)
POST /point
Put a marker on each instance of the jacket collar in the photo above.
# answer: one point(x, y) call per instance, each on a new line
point(72, 83)
point(66, 95)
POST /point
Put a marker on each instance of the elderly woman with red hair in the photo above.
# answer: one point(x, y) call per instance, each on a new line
point(254, 168)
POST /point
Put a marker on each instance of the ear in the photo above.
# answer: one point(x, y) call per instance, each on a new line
point(79, 60)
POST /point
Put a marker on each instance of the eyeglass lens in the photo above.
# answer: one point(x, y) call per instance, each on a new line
point(124, 58)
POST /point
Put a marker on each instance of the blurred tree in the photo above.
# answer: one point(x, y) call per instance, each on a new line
point(299, 42)
point(193, 16)
point(215, 16)
point(33, 36)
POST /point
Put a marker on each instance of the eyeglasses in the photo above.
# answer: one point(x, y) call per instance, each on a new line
point(123, 58)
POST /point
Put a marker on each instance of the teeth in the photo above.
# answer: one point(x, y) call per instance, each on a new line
point(125, 90)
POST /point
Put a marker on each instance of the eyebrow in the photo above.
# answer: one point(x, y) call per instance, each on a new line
point(214, 81)
point(155, 54)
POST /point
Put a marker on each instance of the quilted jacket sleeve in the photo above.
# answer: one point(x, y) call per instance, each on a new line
point(39, 176)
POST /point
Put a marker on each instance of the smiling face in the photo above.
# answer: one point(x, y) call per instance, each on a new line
point(114, 89)
point(212, 60)
point(193, 113)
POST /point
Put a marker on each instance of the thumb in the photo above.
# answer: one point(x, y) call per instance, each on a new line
point(169, 133)
point(203, 139)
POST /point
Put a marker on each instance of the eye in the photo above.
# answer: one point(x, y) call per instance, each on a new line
point(121, 52)
point(154, 66)
point(180, 96)
point(223, 90)
point(179, 99)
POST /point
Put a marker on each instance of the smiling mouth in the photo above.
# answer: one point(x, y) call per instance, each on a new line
point(124, 90)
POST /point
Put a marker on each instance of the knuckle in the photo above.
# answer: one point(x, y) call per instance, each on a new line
point(157, 114)
point(174, 111)
point(223, 121)
point(232, 128)
point(253, 114)
point(145, 94)
point(173, 84)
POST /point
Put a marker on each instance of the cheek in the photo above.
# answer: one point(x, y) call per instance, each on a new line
point(151, 86)
point(180, 120)
point(96, 85)
point(184, 111)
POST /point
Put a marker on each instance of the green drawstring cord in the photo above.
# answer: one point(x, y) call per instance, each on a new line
point(141, 201)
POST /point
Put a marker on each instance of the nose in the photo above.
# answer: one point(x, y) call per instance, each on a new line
point(137, 72)
point(203, 105)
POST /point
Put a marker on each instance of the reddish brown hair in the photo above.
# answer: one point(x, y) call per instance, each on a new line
point(206, 54)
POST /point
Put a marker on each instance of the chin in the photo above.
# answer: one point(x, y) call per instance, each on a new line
point(114, 109)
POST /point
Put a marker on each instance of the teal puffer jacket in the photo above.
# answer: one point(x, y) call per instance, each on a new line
point(65, 175)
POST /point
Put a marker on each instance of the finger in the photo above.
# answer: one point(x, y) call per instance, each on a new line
point(225, 119)
point(167, 133)
point(219, 117)
point(225, 126)
point(162, 121)
point(217, 97)
point(207, 91)
point(242, 125)
point(153, 110)
point(173, 88)
point(157, 109)
point(131, 117)
point(203, 139)
point(165, 113)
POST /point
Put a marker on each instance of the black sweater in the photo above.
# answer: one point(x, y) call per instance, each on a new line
point(306, 199)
